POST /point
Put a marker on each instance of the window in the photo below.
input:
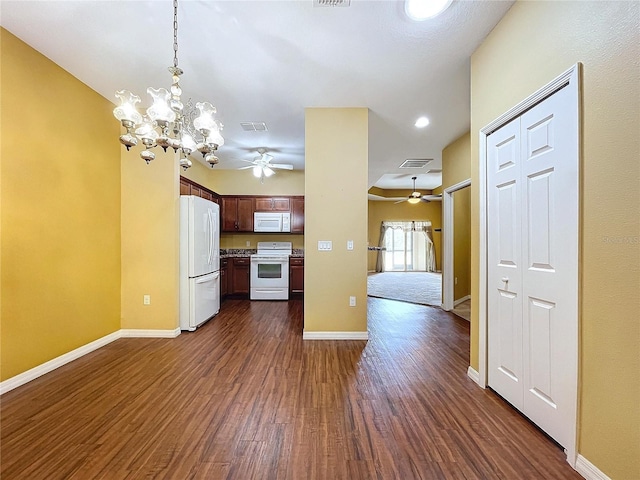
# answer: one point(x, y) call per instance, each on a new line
point(408, 247)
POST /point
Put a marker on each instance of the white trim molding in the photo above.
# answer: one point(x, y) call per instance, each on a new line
point(140, 333)
point(472, 373)
point(51, 365)
point(335, 335)
point(460, 300)
point(447, 243)
point(588, 470)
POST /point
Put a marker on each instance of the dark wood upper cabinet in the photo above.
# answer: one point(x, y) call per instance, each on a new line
point(237, 214)
point(273, 204)
point(297, 215)
point(185, 187)
point(189, 187)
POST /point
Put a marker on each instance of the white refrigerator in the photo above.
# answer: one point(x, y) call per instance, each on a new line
point(199, 261)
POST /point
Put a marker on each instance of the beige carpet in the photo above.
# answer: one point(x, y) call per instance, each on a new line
point(463, 310)
point(413, 287)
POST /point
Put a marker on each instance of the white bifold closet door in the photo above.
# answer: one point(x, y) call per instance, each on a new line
point(532, 284)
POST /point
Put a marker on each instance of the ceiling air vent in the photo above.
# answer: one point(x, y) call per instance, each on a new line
point(254, 126)
point(331, 3)
point(415, 162)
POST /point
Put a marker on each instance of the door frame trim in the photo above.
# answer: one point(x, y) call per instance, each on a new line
point(569, 79)
point(447, 242)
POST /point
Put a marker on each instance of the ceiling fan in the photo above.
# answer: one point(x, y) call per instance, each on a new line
point(417, 197)
point(262, 166)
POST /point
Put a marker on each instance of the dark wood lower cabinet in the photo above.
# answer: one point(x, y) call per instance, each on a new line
point(296, 275)
point(224, 278)
point(239, 276)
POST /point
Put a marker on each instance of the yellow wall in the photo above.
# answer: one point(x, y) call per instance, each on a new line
point(242, 182)
point(456, 161)
point(462, 243)
point(336, 164)
point(456, 167)
point(60, 216)
point(382, 210)
point(150, 223)
point(534, 43)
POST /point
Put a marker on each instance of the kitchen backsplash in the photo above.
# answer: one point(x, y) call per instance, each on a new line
point(245, 252)
point(235, 241)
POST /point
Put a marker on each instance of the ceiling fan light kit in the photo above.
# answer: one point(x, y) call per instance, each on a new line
point(262, 167)
point(168, 122)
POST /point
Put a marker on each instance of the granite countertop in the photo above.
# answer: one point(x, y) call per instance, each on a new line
point(247, 252)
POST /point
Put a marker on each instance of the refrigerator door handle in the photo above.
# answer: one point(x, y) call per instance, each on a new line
point(207, 278)
point(210, 237)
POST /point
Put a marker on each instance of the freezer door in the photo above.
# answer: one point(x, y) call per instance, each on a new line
point(202, 301)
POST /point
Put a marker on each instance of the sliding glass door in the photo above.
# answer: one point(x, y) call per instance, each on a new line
point(405, 250)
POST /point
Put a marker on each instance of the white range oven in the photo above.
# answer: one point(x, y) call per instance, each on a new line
point(270, 271)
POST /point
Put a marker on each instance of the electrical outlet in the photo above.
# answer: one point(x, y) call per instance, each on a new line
point(455, 280)
point(352, 301)
point(248, 243)
point(146, 300)
point(349, 244)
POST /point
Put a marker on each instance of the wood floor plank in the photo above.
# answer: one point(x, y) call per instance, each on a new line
point(244, 397)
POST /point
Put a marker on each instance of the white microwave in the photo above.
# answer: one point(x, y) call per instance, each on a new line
point(271, 222)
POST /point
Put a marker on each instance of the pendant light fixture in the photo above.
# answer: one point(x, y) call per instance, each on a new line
point(415, 195)
point(168, 122)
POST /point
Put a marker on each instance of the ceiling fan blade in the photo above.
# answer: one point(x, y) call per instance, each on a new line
point(248, 161)
point(283, 166)
point(266, 157)
point(267, 171)
point(400, 201)
point(245, 168)
point(431, 198)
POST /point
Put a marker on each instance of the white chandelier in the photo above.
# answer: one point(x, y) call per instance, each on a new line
point(167, 122)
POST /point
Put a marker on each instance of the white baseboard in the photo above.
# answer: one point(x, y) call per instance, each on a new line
point(588, 470)
point(35, 372)
point(474, 375)
point(140, 333)
point(335, 335)
point(460, 300)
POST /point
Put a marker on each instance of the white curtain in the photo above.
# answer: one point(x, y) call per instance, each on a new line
point(422, 251)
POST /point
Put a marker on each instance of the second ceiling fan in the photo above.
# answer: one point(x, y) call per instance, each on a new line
point(262, 166)
point(417, 197)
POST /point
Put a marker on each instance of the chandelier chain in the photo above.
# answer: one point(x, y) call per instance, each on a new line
point(175, 33)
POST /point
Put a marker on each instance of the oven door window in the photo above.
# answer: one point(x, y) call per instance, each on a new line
point(269, 270)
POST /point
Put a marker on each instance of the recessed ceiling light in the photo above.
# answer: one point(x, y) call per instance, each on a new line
point(423, 9)
point(422, 122)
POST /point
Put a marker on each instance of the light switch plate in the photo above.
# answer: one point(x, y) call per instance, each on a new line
point(349, 244)
point(325, 245)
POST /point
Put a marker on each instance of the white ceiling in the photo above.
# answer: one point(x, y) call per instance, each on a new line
point(265, 61)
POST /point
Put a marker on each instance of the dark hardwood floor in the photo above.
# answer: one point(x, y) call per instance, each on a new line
point(246, 398)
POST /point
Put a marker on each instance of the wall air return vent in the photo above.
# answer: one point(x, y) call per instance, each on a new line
point(415, 162)
point(331, 3)
point(254, 126)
